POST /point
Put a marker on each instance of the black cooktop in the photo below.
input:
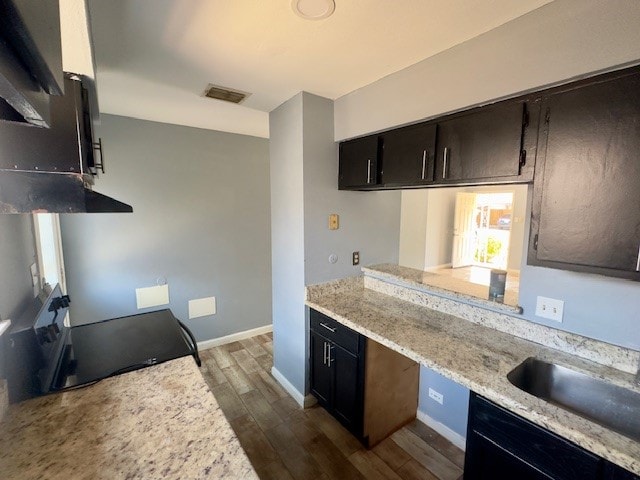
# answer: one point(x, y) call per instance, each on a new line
point(46, 356)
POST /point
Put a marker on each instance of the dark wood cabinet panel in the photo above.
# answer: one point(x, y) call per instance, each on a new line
point(502, 445)
point(408, 155)
point(358, 163)
point(347, 399)
point(586, 210)
point(520, 446)
point(321, 377)
point(482, 145)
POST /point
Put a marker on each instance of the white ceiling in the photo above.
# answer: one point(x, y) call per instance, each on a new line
point(155, 57)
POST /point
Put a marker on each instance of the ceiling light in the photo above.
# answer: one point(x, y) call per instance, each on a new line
point(313, 9)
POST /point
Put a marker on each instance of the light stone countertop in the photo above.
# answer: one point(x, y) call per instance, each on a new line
point(475, 356)
point(160, 422)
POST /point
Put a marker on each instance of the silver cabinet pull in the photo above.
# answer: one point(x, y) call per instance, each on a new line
point(324, 353)
point(329, 355)
point(332, 330)
point(424, 162)
point(444, 166)
point(369, 171)
point(638, 261)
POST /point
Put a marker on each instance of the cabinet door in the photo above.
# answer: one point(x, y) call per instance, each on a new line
point(483, 145)
point(347, 398)
point(358, 167)
point(321, 375)
point(408, 155)
point(586, 211)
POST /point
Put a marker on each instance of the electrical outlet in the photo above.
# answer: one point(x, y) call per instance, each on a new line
point(549, 308)
point(356, 258)
point(437, 396)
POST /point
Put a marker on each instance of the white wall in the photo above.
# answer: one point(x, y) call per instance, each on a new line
point(561, 40)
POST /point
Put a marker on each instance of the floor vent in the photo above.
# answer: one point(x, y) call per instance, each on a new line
point(225, 94)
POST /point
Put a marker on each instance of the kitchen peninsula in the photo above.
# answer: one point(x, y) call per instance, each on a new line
point(157, 422)
point(478, 348)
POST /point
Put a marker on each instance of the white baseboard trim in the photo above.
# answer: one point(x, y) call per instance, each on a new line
point(305, 401)
point(234, 337)
point(454, 437)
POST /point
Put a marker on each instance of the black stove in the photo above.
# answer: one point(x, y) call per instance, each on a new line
point(46, 356)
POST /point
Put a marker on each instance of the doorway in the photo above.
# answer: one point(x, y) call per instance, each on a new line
point(482, 229)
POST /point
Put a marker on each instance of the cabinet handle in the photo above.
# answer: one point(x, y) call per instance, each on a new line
point(329, 355)
point(444, 166)
point(332, 330)
point(424, 162)
point(369, 171)
point(324, 353)
point(638, 261)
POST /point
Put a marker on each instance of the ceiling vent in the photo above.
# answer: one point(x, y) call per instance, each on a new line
point(225, 94)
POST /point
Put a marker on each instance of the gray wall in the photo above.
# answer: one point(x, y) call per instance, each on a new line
point(453, 411)
point(17, 251)
point(201, 220)
point(304, 173)
point(287, 240)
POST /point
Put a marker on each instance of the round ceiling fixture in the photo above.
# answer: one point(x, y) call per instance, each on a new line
point(313, 9)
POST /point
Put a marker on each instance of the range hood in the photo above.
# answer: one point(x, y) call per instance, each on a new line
point(42, 192)
point(52, 170)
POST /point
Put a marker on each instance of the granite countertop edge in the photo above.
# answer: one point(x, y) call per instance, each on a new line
point(366, 312)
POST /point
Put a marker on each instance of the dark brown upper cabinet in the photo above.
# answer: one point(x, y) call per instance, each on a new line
point(484, 145)
point(408, 155)
point(586, 209)
point(358, 169)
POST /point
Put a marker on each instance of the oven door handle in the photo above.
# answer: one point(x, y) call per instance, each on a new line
point(194, 344)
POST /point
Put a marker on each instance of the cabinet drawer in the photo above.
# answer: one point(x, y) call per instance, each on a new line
point(540, 448)
point(336, 332)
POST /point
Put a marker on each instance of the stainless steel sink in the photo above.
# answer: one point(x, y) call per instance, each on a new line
point(609, 405)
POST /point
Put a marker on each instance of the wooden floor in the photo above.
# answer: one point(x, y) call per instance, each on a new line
point(286, 442)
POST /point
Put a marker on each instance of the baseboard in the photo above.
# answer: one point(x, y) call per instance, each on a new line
point(234, 337)
point(454, 437)
point(438, 267)
point(305, 401)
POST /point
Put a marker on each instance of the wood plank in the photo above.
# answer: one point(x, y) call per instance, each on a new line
point(253, 346)
point(331, 460)
point(260, 410)
point(275, 470)
point(431, 459)
point(392, 454)
point(271, 390)
point(238, 379)
point(265, 337)
point(232, 347)
point(372, 466)
point(246, 361)
point(340, 436)
point(253, 441)
point(412, 470)
point(223, 357)
point(268, 346)
point(300, 463)
point(303, 427)
point(286, 406)
point(229, 401)
point(438, 442)
point(265, 362)
point(281, 437)
point(211, 372)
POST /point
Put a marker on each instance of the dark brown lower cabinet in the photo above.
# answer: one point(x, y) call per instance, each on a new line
point(502, 445)
point(370, 389)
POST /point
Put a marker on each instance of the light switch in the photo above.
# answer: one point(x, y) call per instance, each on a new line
point(152, 296)
point(334, 221)
point(202, 307)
